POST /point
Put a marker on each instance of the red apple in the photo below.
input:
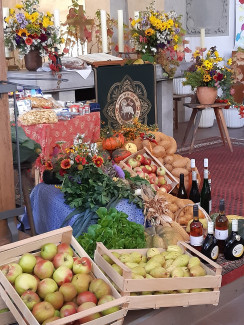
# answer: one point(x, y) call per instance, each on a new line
point(82, 265)
point(155, 187)
point(81, 282)
point(141, 159)
point(108, 311)
point(37, 279)
point(38, 259)
point(56, 299)
point(67, 310)
point(63, 259)
point(161, 180)
point(42, 311)
point(146, 176)
point(24, 282)
point(65, 248)
point(48, 251)
point(147, 169)
point(133, 162)
point(138, 170)
point(51, 319)
point(160, 171)
point(141, 174)
point(11, 271)
point(46, 286)
point(62, 275)
point(85, 297)
point(153, 178)
point(162, 190)
point(71, 303)
point(167, 187)
point(27, 262)
point(68, 290)
point(85, 306)
point(30, 298)
point(154, 169)
point(148, 161)
point(44, 269)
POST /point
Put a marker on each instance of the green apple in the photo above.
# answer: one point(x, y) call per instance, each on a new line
point(27, 262)
point(48, 251)
point(30, 298)
point(108, 311)
point(65, 248)
point(46, 286)
point(24, 282)
point(56, 299)
point(11, 271)
point(62, 275)
point(42, 311)
point(44, 269)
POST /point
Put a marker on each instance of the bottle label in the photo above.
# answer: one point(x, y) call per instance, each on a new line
point(215, 253)
point(238, 250)
point(221, 234)
point(196, 241)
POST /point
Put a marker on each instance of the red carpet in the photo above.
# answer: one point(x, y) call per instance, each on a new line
point(227, 172)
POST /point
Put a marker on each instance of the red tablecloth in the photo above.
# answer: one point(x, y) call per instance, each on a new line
point(47, 135)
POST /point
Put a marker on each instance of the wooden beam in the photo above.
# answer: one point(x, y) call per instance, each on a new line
point(7, 192)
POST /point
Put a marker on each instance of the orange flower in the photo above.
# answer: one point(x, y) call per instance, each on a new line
point(98, 161)
point(48, 165)
point(80, 160)
point(28, 41)
point(65, 164)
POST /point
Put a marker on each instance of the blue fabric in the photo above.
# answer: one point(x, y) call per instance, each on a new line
point(50, 211)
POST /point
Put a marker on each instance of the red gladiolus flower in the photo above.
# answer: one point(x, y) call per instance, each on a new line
point(28, 41)
point(65, 164)
point(98, 161)
point(48, 165)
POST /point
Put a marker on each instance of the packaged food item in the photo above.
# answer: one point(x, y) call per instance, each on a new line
point(38, 117)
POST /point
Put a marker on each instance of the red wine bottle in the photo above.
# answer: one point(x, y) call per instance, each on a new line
point(182, 191)
point(194, 192)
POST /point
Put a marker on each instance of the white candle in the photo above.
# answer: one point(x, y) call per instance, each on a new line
point(136, 16)
point(120, 31)
point(202, 38)
point(7, 52)
point(56, 18)
point(104, 31)
point(5, 14)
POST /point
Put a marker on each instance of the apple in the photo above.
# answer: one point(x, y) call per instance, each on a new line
point(38, 259)
point(141, 174)
point(82, 265)
point(44, 269)
point(56, 299)
point(68, 290)
point(146, 177)
point(72, 303)
point(62, 275)
point(65, 248)
point(100, 288)
point(155, 187)
point(108, 311)
point(67, 310)
point(160, 171)
point(30, 298)
point(147, 169)
point(85, 306)
point(154, 168)
point(167, 187)
point(141, 159)
point(148, 161)
point(63, 259)
point(42, 311)
point(57, 312)
point(133, 162)
point(50, 320)
point(162, 190)
point(48, 251)
point(27, 262)
point(81, 282)
point(37, 279)
point(153, 178)
point(138, 170)
point(11, 271)
point(24, 282)
point(85, 297)
point(46, 286)
point(161, 180)
point(75, 258)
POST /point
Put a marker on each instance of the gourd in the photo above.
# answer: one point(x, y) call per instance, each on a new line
point(113, 142)
point(120, 154)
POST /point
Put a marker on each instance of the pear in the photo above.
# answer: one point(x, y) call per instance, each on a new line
point(183, 291)
point(160, 292)
point(135, 257)
point(177, 272)
point(206, 290)
point(133, 294)
point(158, 258)
point(137, 276)
point(143, 264)
point(151, 265)
point(131, 265)
point(124, 258)
point(181, 260)
point(172, 255)
point(185, 271)
point(159, 229)
point(164, 253)
point(139, 270)
point(145, 293)
point(117, 269)
point(144, 259)
point(159, 272)
point(151, 252)
point(148, 276)
point(168, 263)
point(197, 270)
point(170, 268)
point(158, 241)
point(193, 261)
point(116, 254)
point(195, 290)
point(175, 248)
point(108, 259)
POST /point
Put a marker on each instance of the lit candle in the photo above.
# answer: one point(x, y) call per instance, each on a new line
point(56, 18)
point(120, 31)
point(104, 31)
point(202, 38)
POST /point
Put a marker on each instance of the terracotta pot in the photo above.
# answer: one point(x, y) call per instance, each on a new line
point(33, 60)
point(206, 95)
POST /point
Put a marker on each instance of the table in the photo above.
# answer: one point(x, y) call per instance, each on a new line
point(194, 121)
point(177, 98)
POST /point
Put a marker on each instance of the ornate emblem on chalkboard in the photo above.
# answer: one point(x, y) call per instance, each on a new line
point(125, 101)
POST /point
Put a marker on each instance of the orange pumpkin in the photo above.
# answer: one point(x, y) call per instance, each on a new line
point(113, 142)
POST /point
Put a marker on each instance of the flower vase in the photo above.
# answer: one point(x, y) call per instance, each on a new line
point(33, 60)
point(206, 95)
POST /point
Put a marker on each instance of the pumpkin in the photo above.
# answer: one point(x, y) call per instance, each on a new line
point(113, 142)
point(131, 147)
point(120, 154)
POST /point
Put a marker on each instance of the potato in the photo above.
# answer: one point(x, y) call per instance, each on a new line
point(138, 143)
point(168, 167)
point(161, 160)
point(173, 207)
point(158, 151)
point(147, 144)
point(180, 163)
point(173, 146)
point(188, 165)
point(168, 159)
point(177, 171)
point(165, 143)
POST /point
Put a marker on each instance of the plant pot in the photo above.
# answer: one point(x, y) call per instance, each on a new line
point(207, 118)
point(232, 118)
point(206, 95)
point(49, 177)
point(33, 60)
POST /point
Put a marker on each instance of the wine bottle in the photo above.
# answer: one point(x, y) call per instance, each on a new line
point(205, 165)
point(234, 248)
point(221, 226)
point(205, 200)
point(194, 192)
point(210, 247)
point(196, 230)
point(182, 191)
point(193, 168)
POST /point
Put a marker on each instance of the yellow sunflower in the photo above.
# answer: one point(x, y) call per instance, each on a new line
point(206, 78)
point(149, 32)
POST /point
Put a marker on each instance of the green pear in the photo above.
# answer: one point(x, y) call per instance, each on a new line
point(197, 270)
point(164, 253)
point(139, 270)
point(168, 263)
point(137, 276)
point(151, 265)
point(133, 294)
point(108, 259)
point(175, 248)
point(181, 260)
point(143, 264)
point(125, 258)
point(195, 290)
point(159, 272)
point(116, 254)
point(206, 290)
point(145, 293)
point(172, 255)
point(117, 269)
point(148, 276)
point(158, 258)
point(183, 291)
point(193, 261)
point(136, 257)
point(152, 251)
point(170, 268)
point(144, 259)
point(177, 272)
point(158, 242)
point(185, 271)
point(131, 265)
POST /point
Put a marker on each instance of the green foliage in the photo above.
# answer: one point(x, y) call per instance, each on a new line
point(114, 231)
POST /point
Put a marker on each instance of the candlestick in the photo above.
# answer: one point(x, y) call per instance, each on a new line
point(202, 38)
point(120, 31)
point(104, 31)
point(56, 18)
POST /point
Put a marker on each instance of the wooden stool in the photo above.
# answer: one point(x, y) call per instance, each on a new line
point(194, 121)
point(176, 99)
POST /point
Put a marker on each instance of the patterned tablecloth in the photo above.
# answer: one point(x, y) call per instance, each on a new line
point(48, 134)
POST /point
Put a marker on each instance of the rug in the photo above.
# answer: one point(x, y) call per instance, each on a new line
point(226, 171)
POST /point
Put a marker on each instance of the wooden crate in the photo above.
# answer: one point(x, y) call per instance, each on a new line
point(127, 285)
point(170, 179)
point(12, 252)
